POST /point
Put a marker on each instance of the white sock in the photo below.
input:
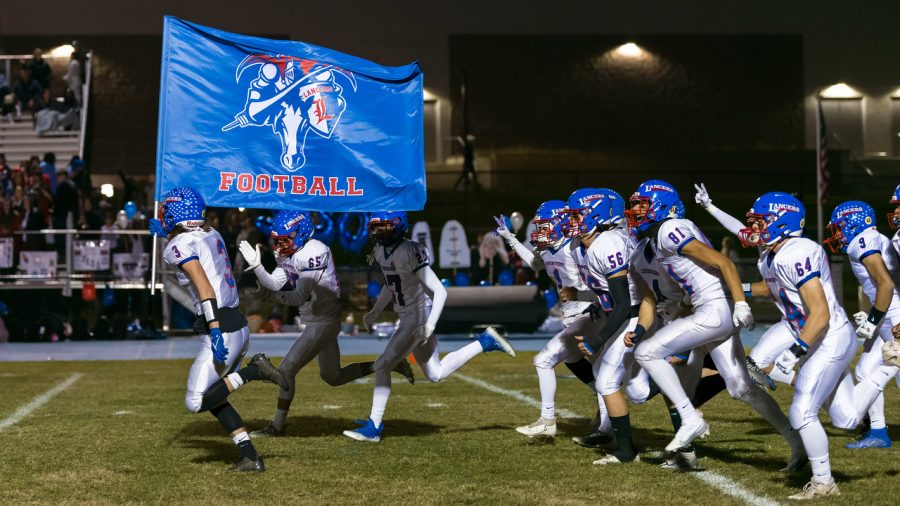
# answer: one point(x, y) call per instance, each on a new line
point(380, 396)
point(666, 379)
point(547, 382)
point(280, 418)
point(453, 361)
point(605, 423)
point(241, 437)
point(781, 377)
point(816, 443)
point(235, 380)
point(876, 413)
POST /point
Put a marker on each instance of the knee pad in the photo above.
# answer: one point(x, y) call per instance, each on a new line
point(637, 392)
point(739, 390)
point(193, 401)
point(842, 418)
point(607, 381)
point(646, 351)
point(543, 361)
point(800, 416)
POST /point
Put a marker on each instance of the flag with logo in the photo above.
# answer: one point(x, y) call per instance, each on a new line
point(276, 124)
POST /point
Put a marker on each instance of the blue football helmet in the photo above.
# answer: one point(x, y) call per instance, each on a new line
point(580, 204)
point(848, 220)
point(388, 227)
point(181, 206)
point(290, 231)
point(773, 217)
point(653, 202)
point(550, 223)
point(894, 216)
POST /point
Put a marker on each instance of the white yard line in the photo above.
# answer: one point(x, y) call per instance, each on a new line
point(721, 483)
point(38, 401)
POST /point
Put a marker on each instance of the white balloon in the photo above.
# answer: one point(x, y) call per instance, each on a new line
point(517, 221)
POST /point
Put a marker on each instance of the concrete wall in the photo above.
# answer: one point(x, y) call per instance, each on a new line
point(842, 41)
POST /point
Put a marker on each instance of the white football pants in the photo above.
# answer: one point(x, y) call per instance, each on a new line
point(205, 372)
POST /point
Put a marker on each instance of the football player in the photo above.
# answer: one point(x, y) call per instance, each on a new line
point(199, 254)
point(709, 277)
point(552, 254)
point(873, 261)
point(305, 277)
point(418, 298)
point(797, 276)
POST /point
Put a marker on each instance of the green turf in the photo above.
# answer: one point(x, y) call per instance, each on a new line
point(449, 443)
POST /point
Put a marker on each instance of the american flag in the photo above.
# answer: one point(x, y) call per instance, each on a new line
point(822, 156)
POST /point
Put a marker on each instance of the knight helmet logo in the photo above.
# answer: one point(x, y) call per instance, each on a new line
point(293, 96)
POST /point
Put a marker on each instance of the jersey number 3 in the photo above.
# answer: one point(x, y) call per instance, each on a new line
point(220, 249)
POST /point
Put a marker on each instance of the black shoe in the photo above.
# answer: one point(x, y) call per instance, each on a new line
point(595, 439)
point(246, 465)
point(268, 372)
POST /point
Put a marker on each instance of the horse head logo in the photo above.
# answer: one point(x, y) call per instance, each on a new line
point(293, 96)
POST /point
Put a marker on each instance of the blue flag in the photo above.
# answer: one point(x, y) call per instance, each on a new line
point(274, 124)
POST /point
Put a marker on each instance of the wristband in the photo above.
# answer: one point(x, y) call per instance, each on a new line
point(639, 331)
point(875, 316)
point(799, 349)
point(587, 346)
point(748, 289)
point(210, 310)
point(682, 356)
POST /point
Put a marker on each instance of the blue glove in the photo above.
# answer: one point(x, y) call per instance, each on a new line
point(156, 228)
point(219, 351)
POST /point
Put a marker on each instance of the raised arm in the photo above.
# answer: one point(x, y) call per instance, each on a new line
point(730, 223)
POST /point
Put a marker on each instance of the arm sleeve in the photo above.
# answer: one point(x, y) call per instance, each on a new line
point(728, 221)
point(439, 294)
point(527, 256)
point(274, 281)
point(384, 298)
point(618, 290)
point(299, 295)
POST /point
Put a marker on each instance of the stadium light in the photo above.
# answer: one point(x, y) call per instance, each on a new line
point(840, 90)
point(630, 50)
point(63, 51)
point(107, 190)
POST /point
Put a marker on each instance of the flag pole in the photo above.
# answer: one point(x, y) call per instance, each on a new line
point(819, 217)
point(153, 253)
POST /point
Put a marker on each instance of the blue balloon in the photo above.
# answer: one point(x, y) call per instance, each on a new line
point(551, 297)
point(326, 230)
point(350, 240)
point(462, 279)
point(130, 209)
point(264, 224)
point(506, 278)
point(373, 289)
point(446, 282)
point(484, 282)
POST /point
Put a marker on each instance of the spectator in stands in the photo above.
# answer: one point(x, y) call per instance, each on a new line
point(40, 197)
point(74, 77)
point(40, 70)
point(6, 183)
point(109, 225)
point(28, 92)
point(32, 220)
point(90, 218)
point(65, 201)
point(78, 173)
point(48, 168)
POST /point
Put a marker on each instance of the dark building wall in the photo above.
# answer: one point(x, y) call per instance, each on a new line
point(683, 93)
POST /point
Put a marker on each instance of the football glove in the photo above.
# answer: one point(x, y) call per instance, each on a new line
point(252, 256)
point(702, 197)
point(217, 345)
point(502, 229)
point(866, 330)
point(742, 317)
point(369, 320)
point(595, 311)
point(156, 228)
point(860, 317)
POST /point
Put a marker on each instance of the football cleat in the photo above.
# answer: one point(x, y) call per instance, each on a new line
point(245, 465)
point(367, 432)
point(542, 427)
point(492, 341)
point(270, 431)
point(268, 372)
point(688, 433)
point(405, 369)
point(595, 439)
point(870, 440)
point(682, 460)
point(612, 459)
point(759, 376)
point(814, 489)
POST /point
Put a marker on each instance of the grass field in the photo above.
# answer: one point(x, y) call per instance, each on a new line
point(120, 434)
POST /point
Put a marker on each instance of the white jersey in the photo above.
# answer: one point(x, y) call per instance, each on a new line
point(701, 283)
point(788, 269)
point(870, 242)
point(563, 270)
point(208, 248)
point(399, 264)
point(610, 254)
point(645, 264)
point(578, 252)
point(314, 261)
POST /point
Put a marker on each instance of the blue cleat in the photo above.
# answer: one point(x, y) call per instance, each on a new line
point(367, 432)
point(875, 438)
point(492, 341)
